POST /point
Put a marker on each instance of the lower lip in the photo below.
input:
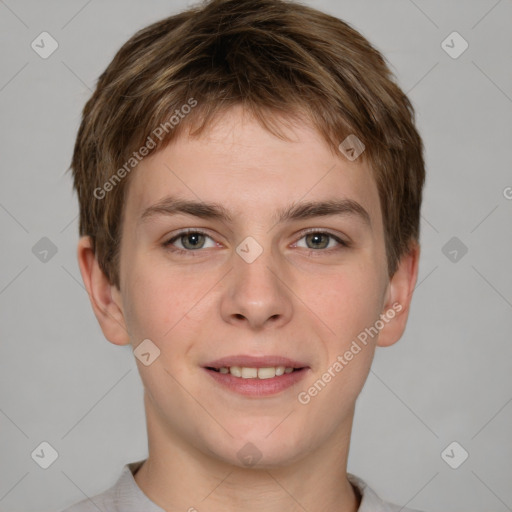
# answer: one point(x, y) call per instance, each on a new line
point(258, 387)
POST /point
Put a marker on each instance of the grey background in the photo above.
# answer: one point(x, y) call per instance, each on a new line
point(448, 379)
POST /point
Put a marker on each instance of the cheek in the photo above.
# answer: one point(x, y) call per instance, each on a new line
point(347, 302)
point(169, 307)
point(364, 306)
point(352, 306)
point(154, 304)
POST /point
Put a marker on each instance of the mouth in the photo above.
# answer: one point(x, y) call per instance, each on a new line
point(256, 376)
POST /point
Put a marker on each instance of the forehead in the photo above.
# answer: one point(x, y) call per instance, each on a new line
point(238, 163)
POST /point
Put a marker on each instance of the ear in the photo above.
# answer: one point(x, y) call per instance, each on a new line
point(104, 296)
point(398, 298)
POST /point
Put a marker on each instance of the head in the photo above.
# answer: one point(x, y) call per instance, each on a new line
point(242, 107)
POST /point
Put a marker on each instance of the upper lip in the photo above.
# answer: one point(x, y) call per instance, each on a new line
point(255, 362)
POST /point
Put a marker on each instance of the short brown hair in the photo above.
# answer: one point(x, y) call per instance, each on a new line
point(273, 57)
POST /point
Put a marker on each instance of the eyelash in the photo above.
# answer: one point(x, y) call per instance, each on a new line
point(311, 252)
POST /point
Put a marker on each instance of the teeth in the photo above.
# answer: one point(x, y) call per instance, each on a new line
point(236, 371)
point(249, 373)
point(255, 373)
point(266, 373)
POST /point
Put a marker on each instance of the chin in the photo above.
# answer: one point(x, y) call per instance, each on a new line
point(261, 449)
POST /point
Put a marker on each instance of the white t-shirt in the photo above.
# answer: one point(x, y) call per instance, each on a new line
point(126, 496)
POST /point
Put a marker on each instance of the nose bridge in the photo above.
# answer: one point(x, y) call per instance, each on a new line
point(256, 291)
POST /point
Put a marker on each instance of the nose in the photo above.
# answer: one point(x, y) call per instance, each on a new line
point(257, 294)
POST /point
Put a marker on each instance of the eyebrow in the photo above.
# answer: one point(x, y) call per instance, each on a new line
point(299, 211)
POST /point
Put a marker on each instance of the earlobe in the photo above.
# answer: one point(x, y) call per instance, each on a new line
point(398, 298)
point(107, 310)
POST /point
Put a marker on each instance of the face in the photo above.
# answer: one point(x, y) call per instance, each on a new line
point(241, 251)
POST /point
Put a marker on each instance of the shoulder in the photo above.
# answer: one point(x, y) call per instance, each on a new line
point(370, 501)
point(124, 495)
point(103, 501)
point(92, 505)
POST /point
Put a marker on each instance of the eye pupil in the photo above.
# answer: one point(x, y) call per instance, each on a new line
point(316, 239)
point(196, 237)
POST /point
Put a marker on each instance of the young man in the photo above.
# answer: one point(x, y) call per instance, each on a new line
point(250, 181)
